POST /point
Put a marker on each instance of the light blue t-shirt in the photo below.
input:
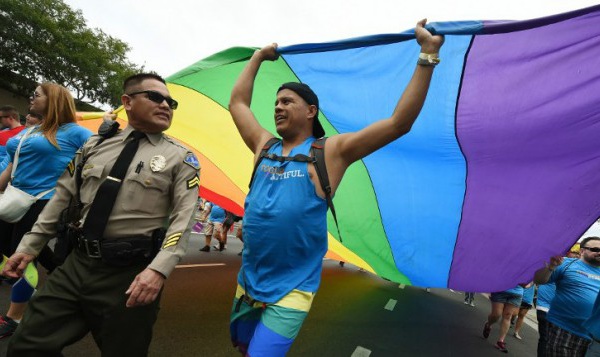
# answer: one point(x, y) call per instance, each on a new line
point(577, 286)
point(517, 290)
point(593, 323)
point(285, 229)
point(11, 146)
point(217, 214)
point(528, 294)
point(41, 163)
point(2, 152)
point(545, 294)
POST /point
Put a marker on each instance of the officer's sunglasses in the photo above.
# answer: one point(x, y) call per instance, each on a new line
point(157, 98)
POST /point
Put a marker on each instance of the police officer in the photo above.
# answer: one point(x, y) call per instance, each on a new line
point(110, 285)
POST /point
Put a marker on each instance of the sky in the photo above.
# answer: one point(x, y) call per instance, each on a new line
point(167, 36)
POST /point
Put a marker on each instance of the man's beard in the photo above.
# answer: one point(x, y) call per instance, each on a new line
point(592, 261)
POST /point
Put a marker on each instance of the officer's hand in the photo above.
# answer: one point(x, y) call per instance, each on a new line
point(145, 288)
point(16, 264)
point(429, 43)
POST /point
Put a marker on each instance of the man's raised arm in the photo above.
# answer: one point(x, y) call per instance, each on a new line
point(253, 134)
point(354, 146)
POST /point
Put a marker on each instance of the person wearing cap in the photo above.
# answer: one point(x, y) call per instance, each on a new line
point(285, 223)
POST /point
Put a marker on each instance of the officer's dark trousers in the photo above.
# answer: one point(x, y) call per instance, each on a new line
point(85, 295)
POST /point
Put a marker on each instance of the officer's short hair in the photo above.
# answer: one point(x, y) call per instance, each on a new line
point(10, 110)
point(136, 79)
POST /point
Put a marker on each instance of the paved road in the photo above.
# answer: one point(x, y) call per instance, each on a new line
point(355, 314)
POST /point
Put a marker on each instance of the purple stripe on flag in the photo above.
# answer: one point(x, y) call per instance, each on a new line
point(493, 27)
point(528, 121)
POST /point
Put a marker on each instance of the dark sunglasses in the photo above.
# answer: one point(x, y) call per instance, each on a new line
point(157, 98)
point(594, 249)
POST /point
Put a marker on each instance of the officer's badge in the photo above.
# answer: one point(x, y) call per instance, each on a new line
point(158, 163)
point(191, 160)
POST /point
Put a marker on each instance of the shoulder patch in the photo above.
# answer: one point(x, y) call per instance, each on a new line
point(193, 182)
point(191, 160)
point(71, 167)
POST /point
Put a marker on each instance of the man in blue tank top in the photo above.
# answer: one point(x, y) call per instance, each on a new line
point(285, 221)
point(577, 286)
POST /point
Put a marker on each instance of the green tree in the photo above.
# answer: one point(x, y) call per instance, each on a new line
point(46, 40)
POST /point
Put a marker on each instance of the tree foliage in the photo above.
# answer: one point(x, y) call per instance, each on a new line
point(46, 40)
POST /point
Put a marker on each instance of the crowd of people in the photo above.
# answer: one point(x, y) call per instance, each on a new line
point(34, 157)
point(107, 199)
point(567, 301)
point(123, 202)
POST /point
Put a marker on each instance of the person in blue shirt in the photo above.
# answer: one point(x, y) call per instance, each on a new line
point(505, 304)
point(285, 221)
point(214, 227)
point(577, 286)
point(31, 119)
point(526, 305)
point(45, 152)
point(592, 326)
point(545, 294)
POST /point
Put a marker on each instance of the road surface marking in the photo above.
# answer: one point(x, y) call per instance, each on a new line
point(199, 265)
point(390, 305)
point(361, 352)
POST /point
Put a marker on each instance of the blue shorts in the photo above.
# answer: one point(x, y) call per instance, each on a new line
point(260, 329)
point(506, 298)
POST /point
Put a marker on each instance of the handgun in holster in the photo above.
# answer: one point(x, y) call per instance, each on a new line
point(66, 229)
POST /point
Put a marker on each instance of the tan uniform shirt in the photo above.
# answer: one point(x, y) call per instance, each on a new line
point(160, 189)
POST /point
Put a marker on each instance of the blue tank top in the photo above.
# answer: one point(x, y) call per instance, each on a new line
point(285, 229)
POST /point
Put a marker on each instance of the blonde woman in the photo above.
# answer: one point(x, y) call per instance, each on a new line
point(45, 153)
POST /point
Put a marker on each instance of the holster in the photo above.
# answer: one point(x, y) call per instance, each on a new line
point(66, 229)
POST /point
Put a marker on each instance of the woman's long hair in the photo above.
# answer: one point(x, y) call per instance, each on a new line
point(60, 109)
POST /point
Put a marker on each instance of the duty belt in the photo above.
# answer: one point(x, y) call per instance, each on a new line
point(118, 251)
